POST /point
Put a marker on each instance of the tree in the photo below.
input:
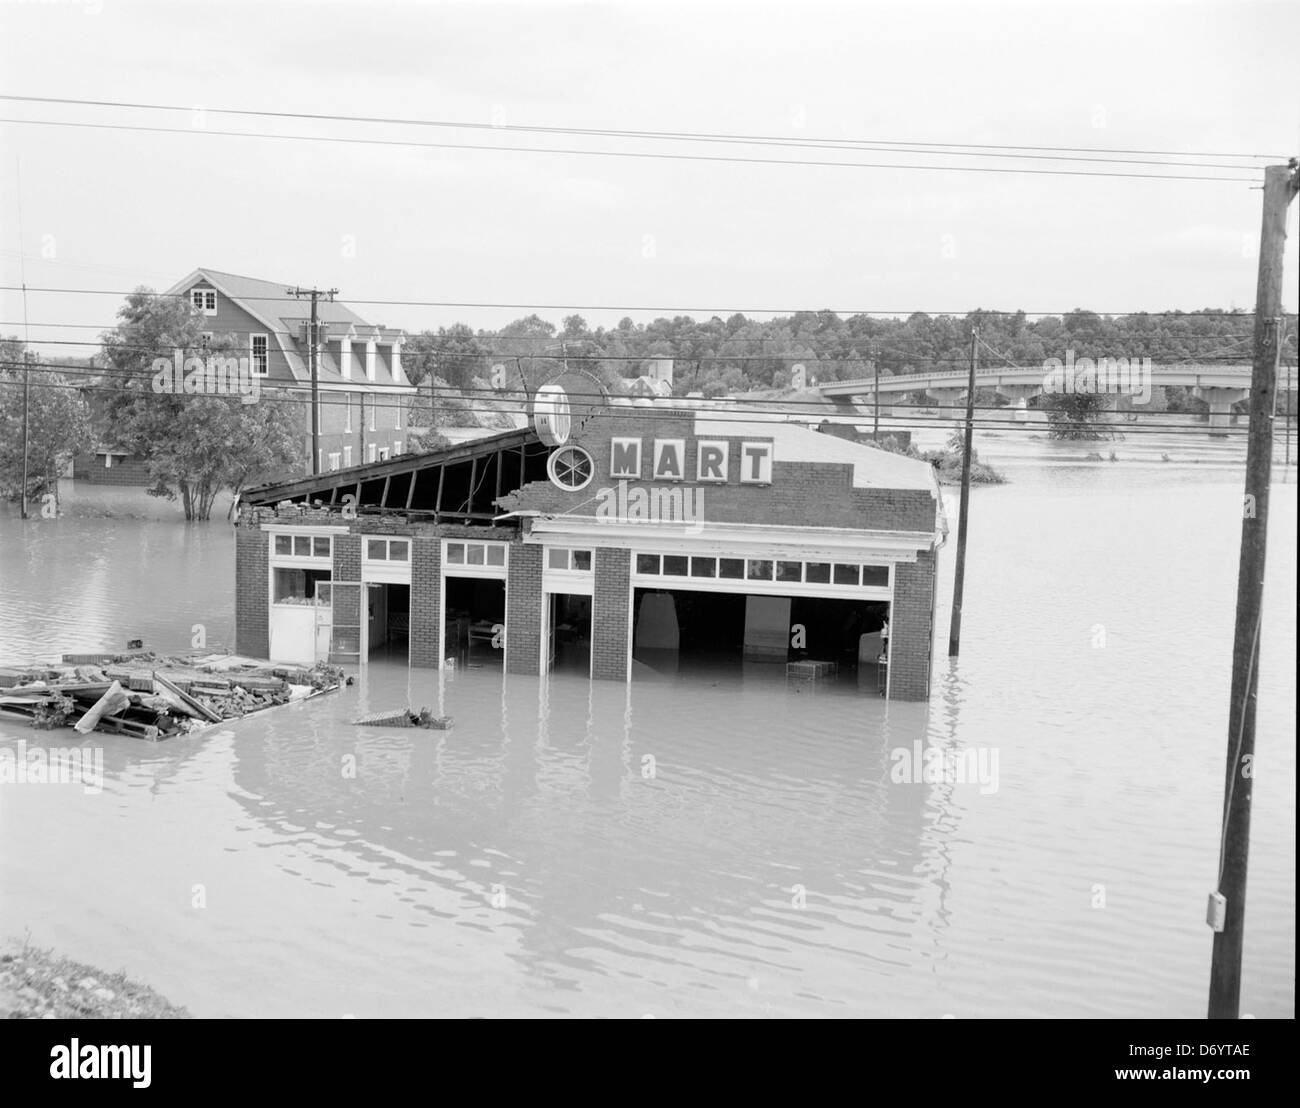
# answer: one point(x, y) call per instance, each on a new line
point(58, 425)
point(194, 445)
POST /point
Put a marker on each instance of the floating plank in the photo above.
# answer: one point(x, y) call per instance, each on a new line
point(404, 717)
point(118, 726)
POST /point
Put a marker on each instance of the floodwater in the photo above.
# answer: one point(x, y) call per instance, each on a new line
point(704, 845)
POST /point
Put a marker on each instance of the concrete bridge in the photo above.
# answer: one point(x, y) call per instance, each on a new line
point(1220, 386)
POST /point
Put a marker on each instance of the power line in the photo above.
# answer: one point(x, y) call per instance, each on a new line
point(652, 155)
point(601, 132)
point(781, 312)
point(742, 411)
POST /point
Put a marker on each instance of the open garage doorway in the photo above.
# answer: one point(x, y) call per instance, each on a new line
point(474, 632)
point(568, 633)
point(758, 635)
point(388, 622)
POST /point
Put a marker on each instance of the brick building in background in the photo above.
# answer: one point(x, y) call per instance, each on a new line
point(650, 538)
point(364, 395)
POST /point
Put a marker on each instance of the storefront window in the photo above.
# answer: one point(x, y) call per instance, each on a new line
point(789, 571)
point(297, 586)
point(456, 553)
point(875, 575)
point(647, 563)
point(733, 568)
point(760, 570)
point(704, 567)
point(582, 560)
point(817, 573)
point(675, 565)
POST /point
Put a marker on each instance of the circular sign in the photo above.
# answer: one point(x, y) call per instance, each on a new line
point(570, 468)
point(551, 415)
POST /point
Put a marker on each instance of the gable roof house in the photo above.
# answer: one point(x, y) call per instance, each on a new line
point(364, 395)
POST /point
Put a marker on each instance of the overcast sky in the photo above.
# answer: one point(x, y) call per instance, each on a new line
point(116, 209)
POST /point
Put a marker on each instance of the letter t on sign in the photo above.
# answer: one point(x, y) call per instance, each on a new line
point(756, 463)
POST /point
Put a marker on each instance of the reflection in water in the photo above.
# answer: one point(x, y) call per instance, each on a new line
point(697, 843)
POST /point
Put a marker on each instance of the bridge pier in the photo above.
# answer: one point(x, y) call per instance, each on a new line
point(1220, 401)
point(1019, 395)
point(946, 400)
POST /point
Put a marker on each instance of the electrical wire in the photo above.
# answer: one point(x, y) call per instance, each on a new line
point(651, 155)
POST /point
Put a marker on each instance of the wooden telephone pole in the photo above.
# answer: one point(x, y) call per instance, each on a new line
point(313, 343)
point(958, 585)
point(1227, 907)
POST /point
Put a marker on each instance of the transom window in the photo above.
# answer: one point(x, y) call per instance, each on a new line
point(388, 550)
point(476, 554)
point(562, 558)
point(303, 546)
point(764, 569)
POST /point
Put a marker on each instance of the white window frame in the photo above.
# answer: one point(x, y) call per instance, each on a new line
point(204, 300)
point(347, 414)
point(383, 454)
point(347, 457)
point(386, 569)
point(397, 447)
point(334, 459)
point(565, 578)
point(266, 354)
point(466, 568)
point(372, 451)
point(373, 406)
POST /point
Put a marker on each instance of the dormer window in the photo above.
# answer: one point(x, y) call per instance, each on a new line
point(204, 300)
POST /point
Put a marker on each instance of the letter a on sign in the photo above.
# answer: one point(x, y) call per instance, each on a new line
point(669, 455)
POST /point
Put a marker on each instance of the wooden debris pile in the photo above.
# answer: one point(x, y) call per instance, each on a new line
point(404, 717)
point(152, 696)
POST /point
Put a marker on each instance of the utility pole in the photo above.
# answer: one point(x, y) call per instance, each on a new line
point(954, 631)
point(875, 364)
point(313, 342)
point(1227, 908)
point(27, 373)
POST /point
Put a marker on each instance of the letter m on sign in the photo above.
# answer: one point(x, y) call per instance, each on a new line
point(625, 458)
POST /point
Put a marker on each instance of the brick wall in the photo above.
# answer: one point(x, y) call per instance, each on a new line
point(124, 471)
point(426, 612)
point(610, 648)
point(524, 609)
point(347, 602)
point(911, 628)
point(252, 619)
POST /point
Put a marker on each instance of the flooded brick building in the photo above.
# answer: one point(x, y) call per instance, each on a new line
point(647, 538)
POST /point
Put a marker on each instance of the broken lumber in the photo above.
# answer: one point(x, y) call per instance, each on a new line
point(112, 702)
point(204, 711)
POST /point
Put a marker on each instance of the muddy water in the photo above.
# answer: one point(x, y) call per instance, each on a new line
point(706, 844)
